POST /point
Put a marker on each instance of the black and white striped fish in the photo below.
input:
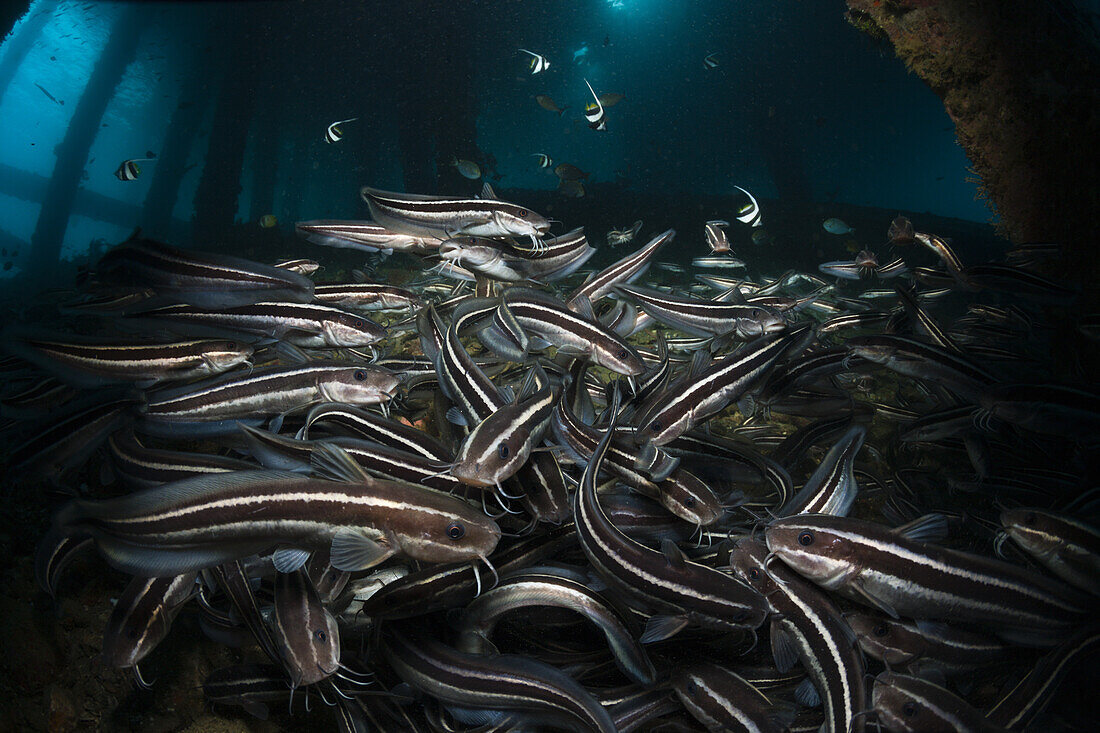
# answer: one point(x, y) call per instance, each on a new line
point(594, 112)
point(335, 133)
point(539, 63)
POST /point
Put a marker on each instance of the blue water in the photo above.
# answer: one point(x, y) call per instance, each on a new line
point(868, 132)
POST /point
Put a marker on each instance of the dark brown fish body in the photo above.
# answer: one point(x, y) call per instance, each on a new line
point(569, 172)
point(548, 104)
point(901, 232)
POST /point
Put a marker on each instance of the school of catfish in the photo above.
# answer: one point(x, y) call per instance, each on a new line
point(574, 500)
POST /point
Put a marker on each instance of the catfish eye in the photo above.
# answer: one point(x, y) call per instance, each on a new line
point(1030, 518)
point(909, 709)
point(621, 354)
point(690, 687)
point(881, 630)
point(656, 426)
point(456, 531)
point(502, 450)
point(690, 502)
point(754, 574)
point(232, 346)
point(806, 539)
point(358, 323)
point(522, 213)
point(320, 636)
point(360, 375)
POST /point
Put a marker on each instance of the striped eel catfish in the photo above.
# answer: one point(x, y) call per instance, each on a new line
point(290, 454)
point(907, 704)
point(454, 585)
point(1067, 546)
point(251, 686)
point(496, 683)
point(501, 443)
point(924, 361)
point(705, 317)
point(140, 467)
point(680, 492)
point(365, 236)
point(680, 591)
point(577, 335)
point(142, 618)
point(233, 579)
point(92, 364)
point(442, 217)
point(39, 398)
point(367, 296)
point(723, 701)
point(305, 633)
point(832, 488)
point(368, 425)
point(300, 265)
point(541, 589)
point(626, 270)
point(559, 256)
point(461, 379)
point(310, 325)
point(202, 279)
point(1027, 699)
point(924, 645)
point(462, 255)
point(807, 627)
point(214, 407)
point(200, 522)
point(477, 398)
point(640, 709)
point(67, 443)
point(694, 398)
point(901, 575)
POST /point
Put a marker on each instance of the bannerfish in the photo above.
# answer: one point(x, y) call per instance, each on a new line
point(544, 160)
point(539, 63)
point(335, 133)
point(750, 212)
point(594, 112)
point(128, 170)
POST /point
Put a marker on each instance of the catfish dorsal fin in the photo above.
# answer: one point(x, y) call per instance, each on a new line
point(673, 554)
point(333, 463)
point(927, 528)
point(582, 306)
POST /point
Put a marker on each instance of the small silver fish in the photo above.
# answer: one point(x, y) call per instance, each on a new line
point(721, 261)
point(671, 267)
point(835, 226)
point(467, 168)
point(710, 61)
